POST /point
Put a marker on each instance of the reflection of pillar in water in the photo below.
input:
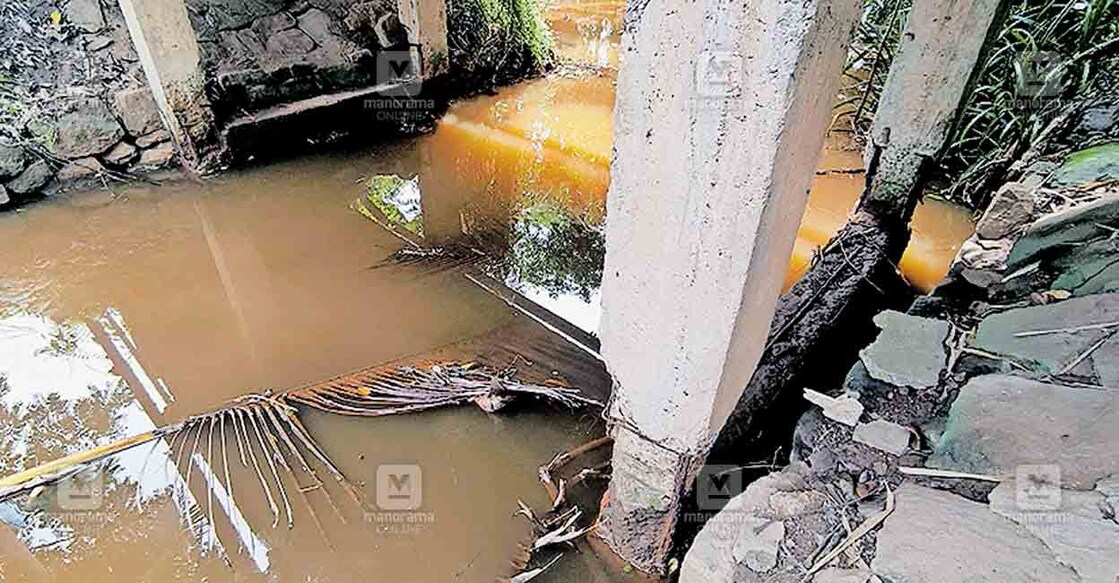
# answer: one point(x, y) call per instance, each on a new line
point(442, 193)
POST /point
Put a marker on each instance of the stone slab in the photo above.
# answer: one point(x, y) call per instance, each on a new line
point(938, 537)
point(1014, 333)
point(909, 352)
point(1000, 422)
point(1077, 530)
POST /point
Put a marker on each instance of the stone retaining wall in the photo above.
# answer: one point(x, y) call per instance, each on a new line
point(76, 106)
point(259, 53)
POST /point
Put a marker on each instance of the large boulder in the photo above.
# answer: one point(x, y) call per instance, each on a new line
point(88, 129)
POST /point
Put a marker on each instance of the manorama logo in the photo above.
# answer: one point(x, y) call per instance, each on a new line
point(399, 487)
point(399, 497)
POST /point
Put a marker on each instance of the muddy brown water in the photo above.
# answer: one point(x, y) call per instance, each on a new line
point(127, 311)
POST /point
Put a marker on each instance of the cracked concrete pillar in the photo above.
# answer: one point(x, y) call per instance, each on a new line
point(169, 54)
point(722, 108)
point(925, 90)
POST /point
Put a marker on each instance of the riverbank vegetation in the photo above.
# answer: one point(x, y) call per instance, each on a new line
point(495, 42)
point(1045, 58)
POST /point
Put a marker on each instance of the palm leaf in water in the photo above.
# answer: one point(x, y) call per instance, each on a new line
point(269, 424)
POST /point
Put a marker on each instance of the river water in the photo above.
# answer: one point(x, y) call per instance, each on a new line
point(126, 311)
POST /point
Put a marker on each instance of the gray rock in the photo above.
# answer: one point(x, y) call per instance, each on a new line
point(1096, 163)
point(985, 253)
point(1011, 210)
point(1087, 269)
point(909, 352)
point(1000, 422)
point(32, 179)
point(156, 157)
point(12, 160)
point(1077, 531)
point(1070, 228)
point(331, 48)
point(287, 44)
point(85, 15)
point(1012, 333)
point(88, 129)
point(884, 436)
point(79, 170)
point(938, 537)
point(757, 548)
point(149, 140)
point(121, 155)
point(746, 534)
point(137, 110)
point(4, 198)
point(270, 25)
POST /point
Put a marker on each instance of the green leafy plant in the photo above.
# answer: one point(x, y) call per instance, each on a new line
point(497, 41)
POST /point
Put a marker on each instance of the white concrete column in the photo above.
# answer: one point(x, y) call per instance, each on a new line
point(721, 112)
point(169, 54)
point(927, 85)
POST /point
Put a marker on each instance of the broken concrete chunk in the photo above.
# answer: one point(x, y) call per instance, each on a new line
point(746, 534)
point(908, 352)
point(884, 436)
point(1075, 527)
point(85, 15)
point(156, 157)
point(1000, 422)
point(939, 537)
point(845, 409)
point(137, 110)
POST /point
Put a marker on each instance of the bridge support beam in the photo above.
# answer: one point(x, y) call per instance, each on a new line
point(169, 54)
point(721, 112)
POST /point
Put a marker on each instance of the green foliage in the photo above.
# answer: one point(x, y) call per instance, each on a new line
point(497, 41)
point(998, 121)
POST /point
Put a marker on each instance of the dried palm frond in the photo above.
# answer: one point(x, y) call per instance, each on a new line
point(275, 446)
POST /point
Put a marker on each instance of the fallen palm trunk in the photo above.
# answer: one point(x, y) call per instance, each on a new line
point(271, 422)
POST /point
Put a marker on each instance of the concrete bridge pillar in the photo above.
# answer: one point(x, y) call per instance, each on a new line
point(722, 108)
point(169, 54)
